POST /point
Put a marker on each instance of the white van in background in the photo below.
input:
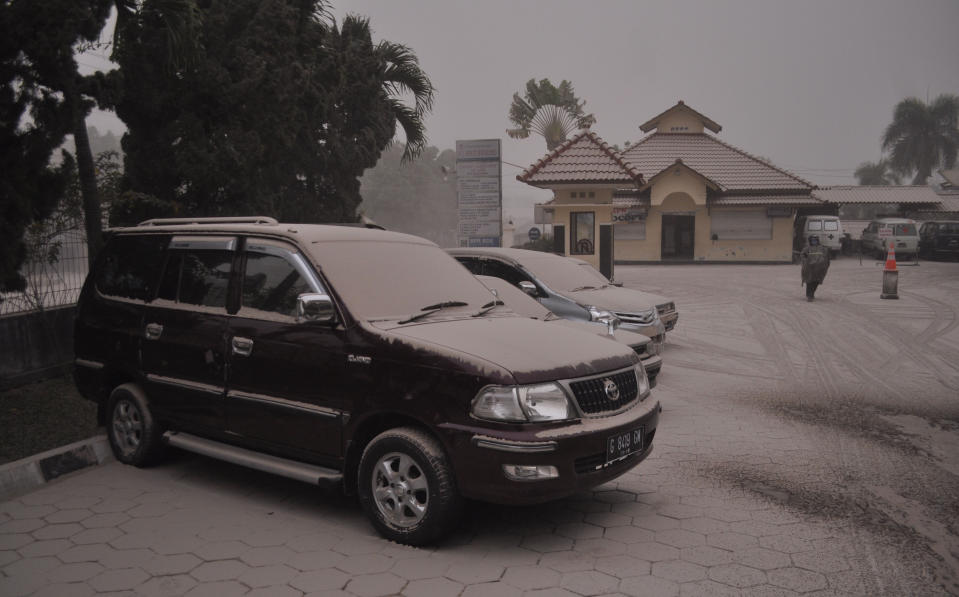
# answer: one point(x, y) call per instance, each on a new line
point(827, 228)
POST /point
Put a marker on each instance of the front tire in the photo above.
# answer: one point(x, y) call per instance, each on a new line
point(406, 487)
point(134, 435)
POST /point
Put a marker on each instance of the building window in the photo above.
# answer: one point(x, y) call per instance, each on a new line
point(741, 225)
point(582, 226)
point(635, 230)
point(592, 194)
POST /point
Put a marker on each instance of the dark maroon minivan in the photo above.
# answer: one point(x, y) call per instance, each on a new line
point(343, 354)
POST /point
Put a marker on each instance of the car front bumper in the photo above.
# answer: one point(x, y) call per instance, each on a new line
point(577, 450)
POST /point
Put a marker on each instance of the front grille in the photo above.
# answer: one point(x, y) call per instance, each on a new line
point(643, 318)
point(591, 393)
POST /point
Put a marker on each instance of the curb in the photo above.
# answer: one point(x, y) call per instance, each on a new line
point(22, 476)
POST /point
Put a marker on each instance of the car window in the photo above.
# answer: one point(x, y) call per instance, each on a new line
point(814, 225)
point(272, 283)
point(505, 271)
point(905, 230)
point(129, 266)
point(473, 264)
point(559, 273)
point(949, 228)
point(830, 225)
point(197, 277)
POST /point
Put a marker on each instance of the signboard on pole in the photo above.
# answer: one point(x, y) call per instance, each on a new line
point(479, 192)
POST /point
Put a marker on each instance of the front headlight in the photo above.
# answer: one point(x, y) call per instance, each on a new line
point(642, 381)
point(536, 403)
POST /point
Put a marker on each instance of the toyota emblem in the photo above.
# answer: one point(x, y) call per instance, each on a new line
point(612, 391)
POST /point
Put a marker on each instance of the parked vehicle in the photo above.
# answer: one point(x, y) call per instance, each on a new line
point(569, 290)
point(901, 232)
point(347, 355)
point(939, 238)
point(527, 306)
point(666, 310)
point(827, 228)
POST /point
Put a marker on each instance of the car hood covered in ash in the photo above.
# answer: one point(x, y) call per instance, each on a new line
point(616, 299)
point(530, 351)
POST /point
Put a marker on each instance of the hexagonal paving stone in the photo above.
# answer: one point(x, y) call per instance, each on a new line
point(85, 553)
point(74, 589)
point(366, 564)
point(704, 524)
point(679, 511)
point(265, 576)
point(15, 540)
point(546, 543)
point(737, 575)
point(318, 560)
point(104, 535)
point(118, 580)
point(731, 541)
point(376, 585)
point(417, 568)
point(820, 561)
point(785, 543)
point(282, 591)
point(680, 538)
point(648, 586)
point(770, 591)
point(629, 534)
point(708, 588)
point(113, 505)
point(110, 519)
point(579, 530)
point(229, 588)
point(655, 522)
point(50, 547)
point(433, 587)
point(267, 556)
point(126, 558)
point(492, 589)
point(567, 561)
point(608, 519)
point(37, 566)
point(22, 584)
point(653, 551)
point(176, 543)
point(167, 586)
point(58, 531)
point(553, 592)
point(221, 550)
point(531, 577)
point(320, 580)
point(796, 579)
point(23, 525)
point(358, 546)
point(623, 566)
point(219, 570)
point(77, 501)
point(678, 570)
point(762, 558)
point(589, 582)
point(599, 548)
point(706, 555)
point(470, 573)
point(75, 515)
point(176, 564)
point(67, 573)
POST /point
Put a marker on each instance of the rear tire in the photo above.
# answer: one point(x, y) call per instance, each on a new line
point(134, 435)
point(406, 487)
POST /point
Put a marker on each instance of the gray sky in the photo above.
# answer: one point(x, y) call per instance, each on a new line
point(810, 84)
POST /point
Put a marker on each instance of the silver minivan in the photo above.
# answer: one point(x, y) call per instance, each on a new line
point(901, 232)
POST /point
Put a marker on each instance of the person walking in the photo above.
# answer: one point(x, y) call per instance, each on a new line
point(815, 263)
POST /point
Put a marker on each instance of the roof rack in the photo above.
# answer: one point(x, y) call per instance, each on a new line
point(263, 220)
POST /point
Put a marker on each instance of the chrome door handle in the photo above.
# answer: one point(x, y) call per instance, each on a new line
point(153, 331)
point(242, 346)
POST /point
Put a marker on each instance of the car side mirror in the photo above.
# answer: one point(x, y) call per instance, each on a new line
point(314, 306)
point(528, 287)
point(616, 283)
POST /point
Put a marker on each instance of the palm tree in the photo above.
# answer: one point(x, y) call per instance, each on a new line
point(396, 70)
point(547, 110)
point(923, 136)
point(877, 173)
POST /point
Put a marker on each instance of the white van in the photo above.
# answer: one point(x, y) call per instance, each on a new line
point(901, 232)
point(827, 228)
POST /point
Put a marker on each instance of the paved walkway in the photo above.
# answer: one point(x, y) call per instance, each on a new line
point(771, 476)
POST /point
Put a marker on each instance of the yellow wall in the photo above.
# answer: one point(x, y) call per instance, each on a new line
point(603, 214)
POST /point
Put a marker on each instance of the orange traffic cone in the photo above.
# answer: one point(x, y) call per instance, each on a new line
point(891, 258)
point(890, 276)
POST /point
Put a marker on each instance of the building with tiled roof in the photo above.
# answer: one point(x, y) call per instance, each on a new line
point(680, 193)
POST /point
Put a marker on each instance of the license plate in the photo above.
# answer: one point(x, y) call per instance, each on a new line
point(624, 444)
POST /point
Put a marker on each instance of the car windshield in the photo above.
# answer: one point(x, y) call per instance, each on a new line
point(561, 273)
point(390, 280)
point(517, 300)
point(905, 230)
point(949, 228)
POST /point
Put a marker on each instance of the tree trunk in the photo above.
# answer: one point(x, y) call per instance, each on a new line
point(88, 177)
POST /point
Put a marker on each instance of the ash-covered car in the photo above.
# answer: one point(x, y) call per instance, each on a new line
point(567, 288)
point(335, 354)
point(525, 305)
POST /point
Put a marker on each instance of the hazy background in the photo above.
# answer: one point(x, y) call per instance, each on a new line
point(810, 85)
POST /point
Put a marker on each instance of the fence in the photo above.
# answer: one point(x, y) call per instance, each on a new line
point(55, 269)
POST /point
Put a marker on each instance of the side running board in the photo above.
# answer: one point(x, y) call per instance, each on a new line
point(301, 471)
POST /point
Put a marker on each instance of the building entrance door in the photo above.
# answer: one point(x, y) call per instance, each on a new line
point(678, 236)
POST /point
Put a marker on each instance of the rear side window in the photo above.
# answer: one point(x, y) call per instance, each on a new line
point(830, 225)
point(197, 277)
point(905, 230)
point(129, 266)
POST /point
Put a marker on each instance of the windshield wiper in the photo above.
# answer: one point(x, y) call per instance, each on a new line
point(578, 288)
point(488, 307)
point(430, 309)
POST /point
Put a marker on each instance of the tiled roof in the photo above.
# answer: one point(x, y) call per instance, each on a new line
point(878, 194)
point(732, 169)
point(728, 200)
point(585, 158)
point(680, 105)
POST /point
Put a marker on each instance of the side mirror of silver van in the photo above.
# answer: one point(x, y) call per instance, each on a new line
point(528, 287)
point(313, 306)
